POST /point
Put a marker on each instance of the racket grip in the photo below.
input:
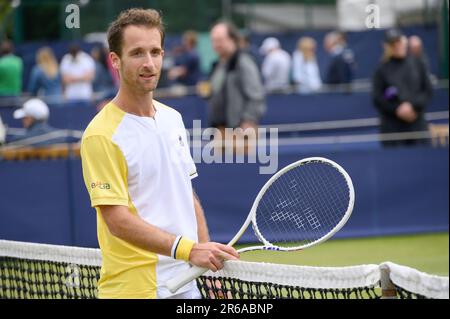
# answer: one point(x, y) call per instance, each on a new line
point(179, 281)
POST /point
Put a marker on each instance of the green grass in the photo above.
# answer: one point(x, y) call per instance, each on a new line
point(426, 252)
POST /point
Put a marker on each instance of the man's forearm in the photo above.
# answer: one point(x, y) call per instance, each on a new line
point(202, 227)
point(130, 228)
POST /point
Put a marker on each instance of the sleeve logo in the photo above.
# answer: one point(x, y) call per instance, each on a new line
point(100, 185)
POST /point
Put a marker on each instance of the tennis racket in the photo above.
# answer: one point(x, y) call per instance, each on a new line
point(302, 205)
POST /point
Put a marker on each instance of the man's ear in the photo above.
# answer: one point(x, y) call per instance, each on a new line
point(115, 60)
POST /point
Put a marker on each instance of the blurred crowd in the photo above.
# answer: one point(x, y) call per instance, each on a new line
point(239, 80)
point(79, 75)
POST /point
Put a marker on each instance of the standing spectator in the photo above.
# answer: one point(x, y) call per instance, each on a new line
point(78, 73)
point(341, 67)
point(103, 82)
point(245, 45)
point(305, 69)
point(401, 90)
point(416, 49)
point(11, 68)
point(237, 94)
point(276, 67)
point(45, 77)
point(186, 70)
point(34, 115)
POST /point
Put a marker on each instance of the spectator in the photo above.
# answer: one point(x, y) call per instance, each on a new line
point(103, 82)
point(45, 77)
point(237, 94)
point(34, 115)
point(401, 90)
point(305, 69)
point(276, 67)
point(341, 67)
point(416, 49)
point(186, 69)
point(246, 46)
point(11, 68)
point(78, 73)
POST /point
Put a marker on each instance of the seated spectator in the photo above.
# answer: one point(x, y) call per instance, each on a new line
point(45, 77)
point(305, 71)
point(78, 73)
point(103, 82)
point(186, 69)
point(11, 68)
point(34, 115)
point(401, 90)
point(276, 67)
point(341, 67)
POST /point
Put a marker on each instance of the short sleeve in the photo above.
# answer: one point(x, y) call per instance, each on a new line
point(104, 171)
point(192, 169)
point(190, 164)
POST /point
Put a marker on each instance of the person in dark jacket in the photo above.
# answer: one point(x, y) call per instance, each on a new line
point(237, 98)
point(342, 64)
point(401, 90)
point(237, 93)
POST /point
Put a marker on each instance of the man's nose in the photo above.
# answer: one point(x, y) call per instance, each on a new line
point(149, 61)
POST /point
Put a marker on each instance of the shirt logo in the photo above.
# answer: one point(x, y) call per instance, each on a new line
point(100, 185)
point(181, 140)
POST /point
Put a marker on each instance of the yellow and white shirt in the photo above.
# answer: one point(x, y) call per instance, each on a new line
point(145, 164)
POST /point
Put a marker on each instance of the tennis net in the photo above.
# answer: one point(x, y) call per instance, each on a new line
point(38, 271)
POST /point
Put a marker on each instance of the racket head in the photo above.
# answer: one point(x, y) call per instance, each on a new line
point(302, 205)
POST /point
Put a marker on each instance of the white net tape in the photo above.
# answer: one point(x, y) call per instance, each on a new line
point(412, 280)
point(302, 276)
point(409, 279)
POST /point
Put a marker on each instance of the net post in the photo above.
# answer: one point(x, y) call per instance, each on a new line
point(388, 290)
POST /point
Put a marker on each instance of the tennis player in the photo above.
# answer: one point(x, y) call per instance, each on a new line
point(137, 168)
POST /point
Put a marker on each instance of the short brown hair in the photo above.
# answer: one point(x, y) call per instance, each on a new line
point(138, 17)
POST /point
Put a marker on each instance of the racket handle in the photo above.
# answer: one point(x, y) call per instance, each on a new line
point(179, 281)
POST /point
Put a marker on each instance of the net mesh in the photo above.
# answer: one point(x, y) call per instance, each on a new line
point(37, 271)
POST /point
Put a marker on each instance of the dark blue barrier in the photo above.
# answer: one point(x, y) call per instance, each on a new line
point(281, 109)
point(397, 191)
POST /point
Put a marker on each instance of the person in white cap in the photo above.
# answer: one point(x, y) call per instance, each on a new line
point(276, 66)
point(34, 115)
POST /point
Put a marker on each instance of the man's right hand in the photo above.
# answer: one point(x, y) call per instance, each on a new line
point(406, 112)
point(211, 255)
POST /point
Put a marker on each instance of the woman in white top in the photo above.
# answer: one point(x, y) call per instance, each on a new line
point(305, 69)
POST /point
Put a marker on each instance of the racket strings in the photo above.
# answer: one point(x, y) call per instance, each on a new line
point(303, 205)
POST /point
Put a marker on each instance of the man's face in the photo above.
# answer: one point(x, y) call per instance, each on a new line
point(27, 121)
point(400, 48)
point(141, 61)
point(221, 42)
point(415, 46)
